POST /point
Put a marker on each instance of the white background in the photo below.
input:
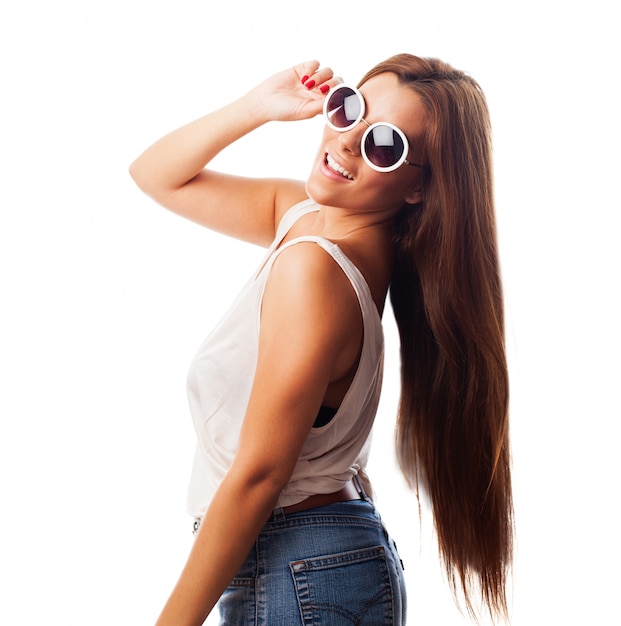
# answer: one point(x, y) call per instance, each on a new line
point(105, 296)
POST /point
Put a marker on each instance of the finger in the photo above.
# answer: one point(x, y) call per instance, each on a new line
point(322, 79)
point(325, 87)
point(306, 70)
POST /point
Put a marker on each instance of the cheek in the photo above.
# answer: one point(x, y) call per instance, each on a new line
point(316, 164)
point(389, 192)
point(386, 184)
point(319, 155)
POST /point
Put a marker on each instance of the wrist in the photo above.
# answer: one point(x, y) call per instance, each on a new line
point(254, 109)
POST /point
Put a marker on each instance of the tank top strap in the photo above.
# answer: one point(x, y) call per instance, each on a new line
point(359, 283)
point(291, 216)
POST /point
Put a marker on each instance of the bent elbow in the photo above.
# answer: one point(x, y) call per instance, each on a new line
point(270, 483)
point(138, 175)
point(267, 480)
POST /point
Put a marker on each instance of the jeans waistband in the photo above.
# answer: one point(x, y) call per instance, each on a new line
point(347, 493)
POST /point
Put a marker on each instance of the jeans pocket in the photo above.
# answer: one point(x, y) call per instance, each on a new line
point(344, 589)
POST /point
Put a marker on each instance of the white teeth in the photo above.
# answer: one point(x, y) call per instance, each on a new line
point(333, 165)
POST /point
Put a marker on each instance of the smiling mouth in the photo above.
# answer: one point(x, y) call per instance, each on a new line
point(336, 167)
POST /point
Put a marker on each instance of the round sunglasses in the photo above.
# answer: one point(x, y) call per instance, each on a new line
point(384, 147)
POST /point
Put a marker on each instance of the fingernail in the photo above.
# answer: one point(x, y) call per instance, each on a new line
point(310, 84)
point(324, 88)
point(304, 79)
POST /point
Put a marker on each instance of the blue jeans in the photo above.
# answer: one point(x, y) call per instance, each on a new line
point(334, 565)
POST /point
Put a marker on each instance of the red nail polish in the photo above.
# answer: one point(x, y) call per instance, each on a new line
point(304, 79)
point(310, 84)
point(324, 88)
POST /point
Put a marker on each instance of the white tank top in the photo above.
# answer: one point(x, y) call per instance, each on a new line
point(221, 376)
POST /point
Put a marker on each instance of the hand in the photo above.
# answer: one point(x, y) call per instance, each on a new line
point(294, 94)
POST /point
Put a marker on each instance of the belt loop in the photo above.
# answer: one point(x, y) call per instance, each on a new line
point(278, 515)
point(358, 484)
point(196, 525)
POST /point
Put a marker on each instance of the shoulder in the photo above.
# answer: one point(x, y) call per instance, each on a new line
point(307, 266)
point(311, 319)
point(307, 283)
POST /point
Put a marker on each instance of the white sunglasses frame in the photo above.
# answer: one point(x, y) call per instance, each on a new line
point(370, 127)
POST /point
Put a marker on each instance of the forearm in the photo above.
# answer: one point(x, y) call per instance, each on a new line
point(179, 156)
point(235, 518)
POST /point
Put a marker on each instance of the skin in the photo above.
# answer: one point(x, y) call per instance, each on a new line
point(311, 325)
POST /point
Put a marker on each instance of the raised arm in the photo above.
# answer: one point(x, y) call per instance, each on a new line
point(172, 171)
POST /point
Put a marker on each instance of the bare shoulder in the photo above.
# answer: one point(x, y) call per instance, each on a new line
point(307, 282)
point(311, 324)
point(309, 265)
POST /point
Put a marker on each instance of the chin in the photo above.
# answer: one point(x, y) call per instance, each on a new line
point(309, 193)
point(313, 188)
point(320, 196)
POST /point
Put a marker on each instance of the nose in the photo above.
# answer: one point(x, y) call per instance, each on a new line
point(350, 140)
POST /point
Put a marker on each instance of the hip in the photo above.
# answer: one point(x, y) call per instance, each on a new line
point(334, 564)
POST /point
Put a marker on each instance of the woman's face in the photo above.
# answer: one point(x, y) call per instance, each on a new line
point(365, 189)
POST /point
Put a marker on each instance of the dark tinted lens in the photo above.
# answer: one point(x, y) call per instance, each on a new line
point(384, 146)
point(343, 107)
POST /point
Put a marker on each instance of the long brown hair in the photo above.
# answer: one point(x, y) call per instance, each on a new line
point(446, 293)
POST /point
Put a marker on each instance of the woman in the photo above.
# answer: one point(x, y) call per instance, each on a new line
point(284, 391)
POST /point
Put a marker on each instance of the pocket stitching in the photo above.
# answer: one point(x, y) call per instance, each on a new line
point(301, 569)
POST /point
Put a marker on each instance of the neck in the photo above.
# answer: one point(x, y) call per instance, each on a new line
point(338, 224)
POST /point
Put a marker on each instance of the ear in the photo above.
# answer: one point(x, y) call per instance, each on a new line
point(415, 195)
